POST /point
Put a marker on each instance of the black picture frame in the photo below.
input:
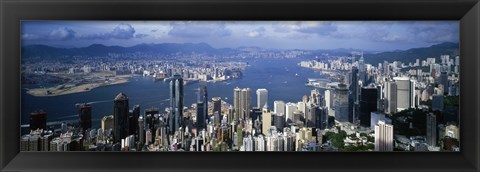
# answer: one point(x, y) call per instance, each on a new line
point(13, 11)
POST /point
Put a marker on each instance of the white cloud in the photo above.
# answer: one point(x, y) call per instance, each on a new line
point(62, 33)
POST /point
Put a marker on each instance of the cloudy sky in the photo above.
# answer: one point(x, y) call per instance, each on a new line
point(367, 35)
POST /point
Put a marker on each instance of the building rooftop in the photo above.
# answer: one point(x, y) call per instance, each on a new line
point(121, 96)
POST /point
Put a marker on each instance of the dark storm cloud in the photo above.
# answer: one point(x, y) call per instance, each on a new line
point(434, 33)
point(140, 35)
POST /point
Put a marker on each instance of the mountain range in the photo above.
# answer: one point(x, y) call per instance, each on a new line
point(406, 56)
point(410, 55)
point(103, 50)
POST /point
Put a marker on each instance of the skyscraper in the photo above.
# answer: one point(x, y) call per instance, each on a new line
point(141, 130)
point(305, 99)
point(321, 118)
point(354, 84)
point(108, 123)
point(133, 119)
point(413, 91)
point(310, 115)
point(301, 107)
point(329, 102)
point(368, 104)
point(266, 120)
point(216, 118)
point(437, 102)
point(236, 103)
point(377, 116)
point(314, 96)
point(120, 117)
point(404, 93)
point(362, 72)
point(386, 68)
point(203, 97)
point(201, 119)
point(279, 121)
point(289, 109)
point(149, 119)
point(217, 105)
point(262, 97)
point(38, 120)
point(279, 107)
point(431, 129)
point(85, 116)
point(380, 97)
point(341, 103)
point(241, 103)
point(202, 108)
point(176, 103)
point(390, 97)
point(329, 98)
point(444, 81)
point(383, 136)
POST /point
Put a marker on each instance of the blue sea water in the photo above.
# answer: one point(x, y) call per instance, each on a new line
point(278, 76)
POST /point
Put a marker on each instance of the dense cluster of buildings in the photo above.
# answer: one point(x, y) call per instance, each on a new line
point(368, 110)
point(374, 96)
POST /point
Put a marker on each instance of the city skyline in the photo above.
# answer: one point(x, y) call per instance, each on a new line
point(190, 97)
point(308, 35)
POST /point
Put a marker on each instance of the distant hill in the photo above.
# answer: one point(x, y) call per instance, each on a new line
point(406, 56)
point(102, 50)
point(410, 55)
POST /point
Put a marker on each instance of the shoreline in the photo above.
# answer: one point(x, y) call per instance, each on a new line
point(60, 90)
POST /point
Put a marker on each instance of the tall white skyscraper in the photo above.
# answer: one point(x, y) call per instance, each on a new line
point(289, 109)
point(383, 136)
point(262, 97)
point(390, 101)
point(279, 107)
point(259, 143)
point(362, 73)
point(329, 99)
point(248, 143)
point(301, 107)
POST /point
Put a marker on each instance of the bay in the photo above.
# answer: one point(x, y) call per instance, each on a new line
point(283, 79)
